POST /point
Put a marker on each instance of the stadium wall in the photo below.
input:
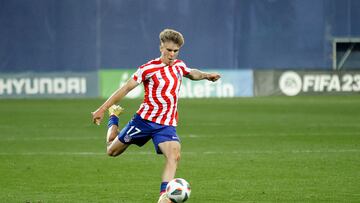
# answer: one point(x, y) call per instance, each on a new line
point(89, 35)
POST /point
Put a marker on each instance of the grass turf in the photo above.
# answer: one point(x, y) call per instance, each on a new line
point(273, 149)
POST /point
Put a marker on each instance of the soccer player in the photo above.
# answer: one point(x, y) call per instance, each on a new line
point(157, 116)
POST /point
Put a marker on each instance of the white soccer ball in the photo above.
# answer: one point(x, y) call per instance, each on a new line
point(178, 190)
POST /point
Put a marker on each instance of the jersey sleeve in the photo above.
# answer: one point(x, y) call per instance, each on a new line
point(138, 75)
point(184, 68)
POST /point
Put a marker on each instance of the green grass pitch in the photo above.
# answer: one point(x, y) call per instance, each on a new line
point(272, 149)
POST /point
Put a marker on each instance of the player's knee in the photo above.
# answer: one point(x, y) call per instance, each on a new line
point(116, 148)
point(175, 157)
point(177, 154)
point(111, 152)
point(178, 157)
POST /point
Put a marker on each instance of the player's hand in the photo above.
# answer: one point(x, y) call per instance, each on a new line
point(213, 77)
point(97, 116)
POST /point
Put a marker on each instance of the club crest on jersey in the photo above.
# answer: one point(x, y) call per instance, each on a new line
point(127, 138)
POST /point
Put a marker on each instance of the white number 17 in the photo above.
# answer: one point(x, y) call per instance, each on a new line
point(133, 131)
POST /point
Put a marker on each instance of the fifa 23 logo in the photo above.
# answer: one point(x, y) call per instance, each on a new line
point(292, 83)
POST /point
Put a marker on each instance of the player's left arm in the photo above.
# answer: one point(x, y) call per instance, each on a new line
point(196, 74)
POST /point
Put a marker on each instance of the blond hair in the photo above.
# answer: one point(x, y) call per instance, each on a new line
point(173, 36)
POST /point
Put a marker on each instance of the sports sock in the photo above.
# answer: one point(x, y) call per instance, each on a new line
point(163, 187)
point(113, 120)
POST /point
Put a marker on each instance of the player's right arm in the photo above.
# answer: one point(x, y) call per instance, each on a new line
point(119, 94)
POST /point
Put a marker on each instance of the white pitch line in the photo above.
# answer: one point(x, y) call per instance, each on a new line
point(181, 136)
point(49, 138)
point(191, 153)
point(281, 152)
point(53, 154)
point(264, 135)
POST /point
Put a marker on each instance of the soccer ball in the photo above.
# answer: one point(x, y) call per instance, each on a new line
point(178, 190)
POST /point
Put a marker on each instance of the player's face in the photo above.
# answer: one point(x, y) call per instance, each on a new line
point(169, 52)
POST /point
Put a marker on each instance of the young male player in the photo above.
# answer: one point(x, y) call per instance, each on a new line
point(157, 116)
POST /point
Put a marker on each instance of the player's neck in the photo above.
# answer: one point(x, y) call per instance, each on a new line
point(167, 61)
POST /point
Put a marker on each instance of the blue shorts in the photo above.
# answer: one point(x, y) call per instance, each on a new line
point(139, 131)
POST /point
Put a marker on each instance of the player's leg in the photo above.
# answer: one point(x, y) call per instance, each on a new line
point(167, 142)
point(112, 133)
point(114, 146)
point(171, 151)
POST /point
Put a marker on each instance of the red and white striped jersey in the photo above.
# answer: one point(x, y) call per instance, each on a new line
point(162, 86)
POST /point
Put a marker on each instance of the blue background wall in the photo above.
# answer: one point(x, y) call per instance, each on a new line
point(83, 35)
